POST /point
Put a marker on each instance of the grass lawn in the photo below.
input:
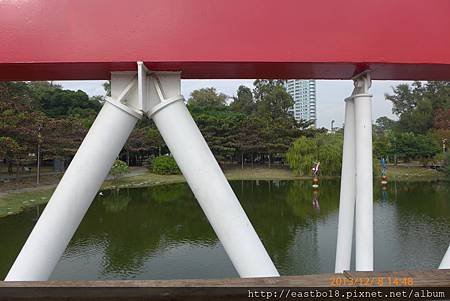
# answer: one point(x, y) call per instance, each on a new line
point(413, 173)
point(14, 201)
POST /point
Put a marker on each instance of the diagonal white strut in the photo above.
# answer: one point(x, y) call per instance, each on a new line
point(76, 190)
point(445, 263)
point(356, 197)
point(206, 179)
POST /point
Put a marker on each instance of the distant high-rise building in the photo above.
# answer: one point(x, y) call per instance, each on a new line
point(304, 94)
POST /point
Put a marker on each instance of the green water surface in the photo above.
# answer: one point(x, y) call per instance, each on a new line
point(161, 232)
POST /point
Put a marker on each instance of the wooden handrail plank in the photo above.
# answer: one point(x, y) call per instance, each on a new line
point(420, 278)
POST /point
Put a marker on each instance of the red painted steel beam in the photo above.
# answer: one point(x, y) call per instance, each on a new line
point(328, 39)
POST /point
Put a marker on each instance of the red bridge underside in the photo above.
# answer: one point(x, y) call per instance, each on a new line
point(323, 39)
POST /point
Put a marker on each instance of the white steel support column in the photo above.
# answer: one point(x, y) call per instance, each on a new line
point(445, 264)
point(347, 193)
point(205, 178)
point(76, 190)
point(364, 176)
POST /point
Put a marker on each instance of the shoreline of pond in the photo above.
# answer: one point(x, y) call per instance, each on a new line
point(16, 201)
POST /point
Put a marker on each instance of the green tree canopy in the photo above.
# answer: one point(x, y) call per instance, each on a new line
point(23, 121)
point(244, 101)
point(220, 127)
point(272, 99)
point(207, 97)
point(324, 148)
point(66, 102)
point(383, 124)
point(421, 107)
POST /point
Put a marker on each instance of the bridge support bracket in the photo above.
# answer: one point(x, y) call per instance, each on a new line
point(133, 94)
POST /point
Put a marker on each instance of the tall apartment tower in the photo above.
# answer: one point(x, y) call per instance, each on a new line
point(304, 94)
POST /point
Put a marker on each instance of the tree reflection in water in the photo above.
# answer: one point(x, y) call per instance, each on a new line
point(161, 232)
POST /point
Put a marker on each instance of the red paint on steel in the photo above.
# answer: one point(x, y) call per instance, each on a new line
point(86, 39)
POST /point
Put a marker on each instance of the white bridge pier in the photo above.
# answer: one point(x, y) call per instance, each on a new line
point(134, 94)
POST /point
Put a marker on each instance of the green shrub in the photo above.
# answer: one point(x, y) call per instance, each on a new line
point(118, 169)
point(164, 165)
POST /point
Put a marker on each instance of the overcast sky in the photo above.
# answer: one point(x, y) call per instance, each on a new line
point(330, 95)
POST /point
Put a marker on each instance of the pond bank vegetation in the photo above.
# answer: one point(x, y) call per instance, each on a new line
point(15, 200)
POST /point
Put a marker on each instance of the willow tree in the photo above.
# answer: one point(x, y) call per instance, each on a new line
point(323, 148)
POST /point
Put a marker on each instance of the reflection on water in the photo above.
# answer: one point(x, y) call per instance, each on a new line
point(161, 232)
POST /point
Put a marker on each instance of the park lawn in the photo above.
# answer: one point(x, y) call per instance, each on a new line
point(261, 173)
point(143, 180)
point(16, 201)
point(413, 173)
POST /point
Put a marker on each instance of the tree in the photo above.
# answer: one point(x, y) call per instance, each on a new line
point(8, 147)
point(244, 101)
point(383, 124)
point(279, 135)
point(22, 119)
point(442, 119)
point(404, 98)
point(9, 150)
point(439, 136)
point(382, 145)
point(207, 97)
point(61, 137)
point(59, 103)
point(323, 148)
point(154, 138)
point(278, 127)
point(421, 106)
point(424, 111)
point(301, 155)
point(263, 87)
point(439, 94)
point(144, 140)
point(220, 127)
point(249, 137)
point(19, 122)
point(408, 146)
point(20, 92)
point(419, 120)
point(273, 101)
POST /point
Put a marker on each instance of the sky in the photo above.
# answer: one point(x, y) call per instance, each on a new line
point(330, 95)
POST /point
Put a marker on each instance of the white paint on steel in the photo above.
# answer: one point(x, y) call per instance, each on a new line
point(445, 264)
point(208, 183)
point(364, 176)
point(94, 159)
point(74, 194)
point(347, 193)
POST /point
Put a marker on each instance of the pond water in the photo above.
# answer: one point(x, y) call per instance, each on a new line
point(161, 232)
